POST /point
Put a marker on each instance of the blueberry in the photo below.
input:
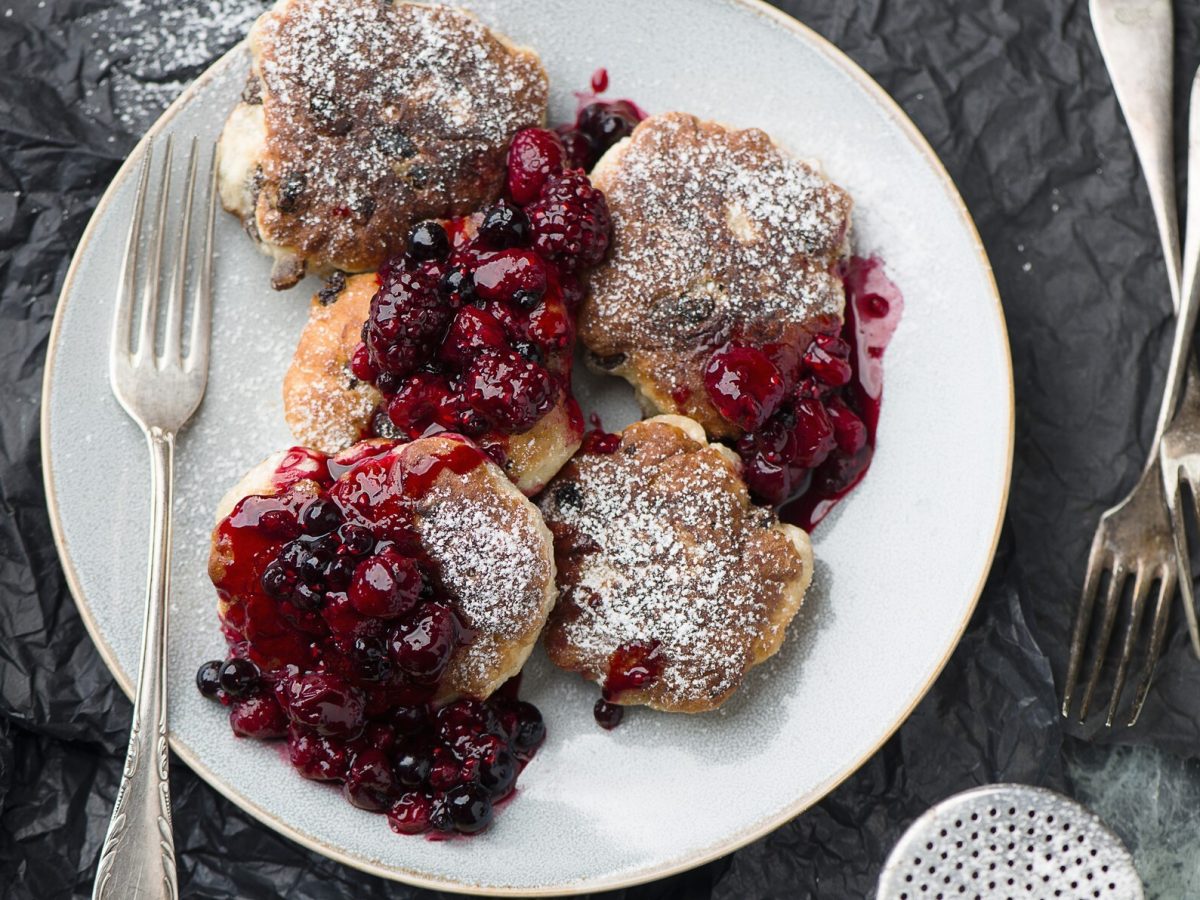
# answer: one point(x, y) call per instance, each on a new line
point(498, 774)
point(427, 241)
point(530, 351)
point(339, 572)
point(526, 300)
point(530, 730)
point(457, 283)
point(277, 581)
point(469, 807)
point(412, 767)
point(293, 556)
point(312, 570)
point(238, 677)
point(320, 517)
point(505, 226)
point(612, 127)
point(440, 818)
point(371, 659)
point(608, 715)
point(208, 678)
point(306, 598)
point(357, 540)
point(410, 719)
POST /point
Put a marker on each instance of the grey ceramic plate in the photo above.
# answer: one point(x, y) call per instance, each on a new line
point(900, 565)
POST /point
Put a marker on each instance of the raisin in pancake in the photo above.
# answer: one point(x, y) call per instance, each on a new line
point(328, 409)
point(492, 553)
point(361, 117)
point(718, 235)
point(658, 546)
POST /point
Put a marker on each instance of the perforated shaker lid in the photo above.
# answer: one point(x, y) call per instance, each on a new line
point(1009, 841)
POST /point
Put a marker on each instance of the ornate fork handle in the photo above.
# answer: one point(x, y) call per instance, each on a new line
point(138, 857)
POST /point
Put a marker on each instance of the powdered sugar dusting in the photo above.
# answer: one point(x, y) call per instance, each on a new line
point(670, 551)
point(718, 232)
point(378, 114)
point(493, 556)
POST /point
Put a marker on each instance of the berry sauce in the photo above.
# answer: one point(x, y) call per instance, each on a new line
point(339, 632)
point(810, 414)
point(473, 327)
point(599, 124)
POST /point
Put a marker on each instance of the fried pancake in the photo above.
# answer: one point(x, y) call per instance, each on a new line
point(484, 541)
point(718, 235)
point(660, 550)
point(361, 117)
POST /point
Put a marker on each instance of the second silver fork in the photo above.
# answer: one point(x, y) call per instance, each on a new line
point(1136, 538)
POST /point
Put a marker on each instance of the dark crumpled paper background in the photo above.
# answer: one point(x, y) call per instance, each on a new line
point(1012, 95)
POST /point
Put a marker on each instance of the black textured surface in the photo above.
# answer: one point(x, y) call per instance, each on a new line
point(1014, 98)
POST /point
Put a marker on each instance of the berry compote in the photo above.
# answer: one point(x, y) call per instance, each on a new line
point(472, 329)
point(599, 124)
point(340, 631)
point(809, 414)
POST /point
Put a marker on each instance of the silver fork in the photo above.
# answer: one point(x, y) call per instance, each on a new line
point(160, 391)
point(1135, 538)
point(1179, 452)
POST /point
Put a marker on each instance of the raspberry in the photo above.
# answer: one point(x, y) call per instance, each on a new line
point(473, 331)
point(570, 221)
point(406, 323)
point(550, 327)
point(416, 403)
point(533, 156)
point(509, 391)
point(507, 274)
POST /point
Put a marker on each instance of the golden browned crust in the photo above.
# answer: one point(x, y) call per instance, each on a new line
point(659, 542)
point(493, 554)
point(362, 117)
point(328, 409)
point(718, 235)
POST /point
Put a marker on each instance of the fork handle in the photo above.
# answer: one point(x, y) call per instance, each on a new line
point(137, 860)
point(1135, 38)
point(1185, 323)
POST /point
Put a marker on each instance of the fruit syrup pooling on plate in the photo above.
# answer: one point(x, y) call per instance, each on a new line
point(472, 329)
point(810, 414)
point(340, 633)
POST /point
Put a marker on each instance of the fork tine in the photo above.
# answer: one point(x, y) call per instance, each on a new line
point(172, 336)
point(1141, 588)
point(127, 286)
point(1112, 600)
point(1174, 491)
point(145, 347)
point(198, 342)
point(1083, 621)
point(1158, 634)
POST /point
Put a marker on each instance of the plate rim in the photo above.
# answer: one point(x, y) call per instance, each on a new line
point(892, 109)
